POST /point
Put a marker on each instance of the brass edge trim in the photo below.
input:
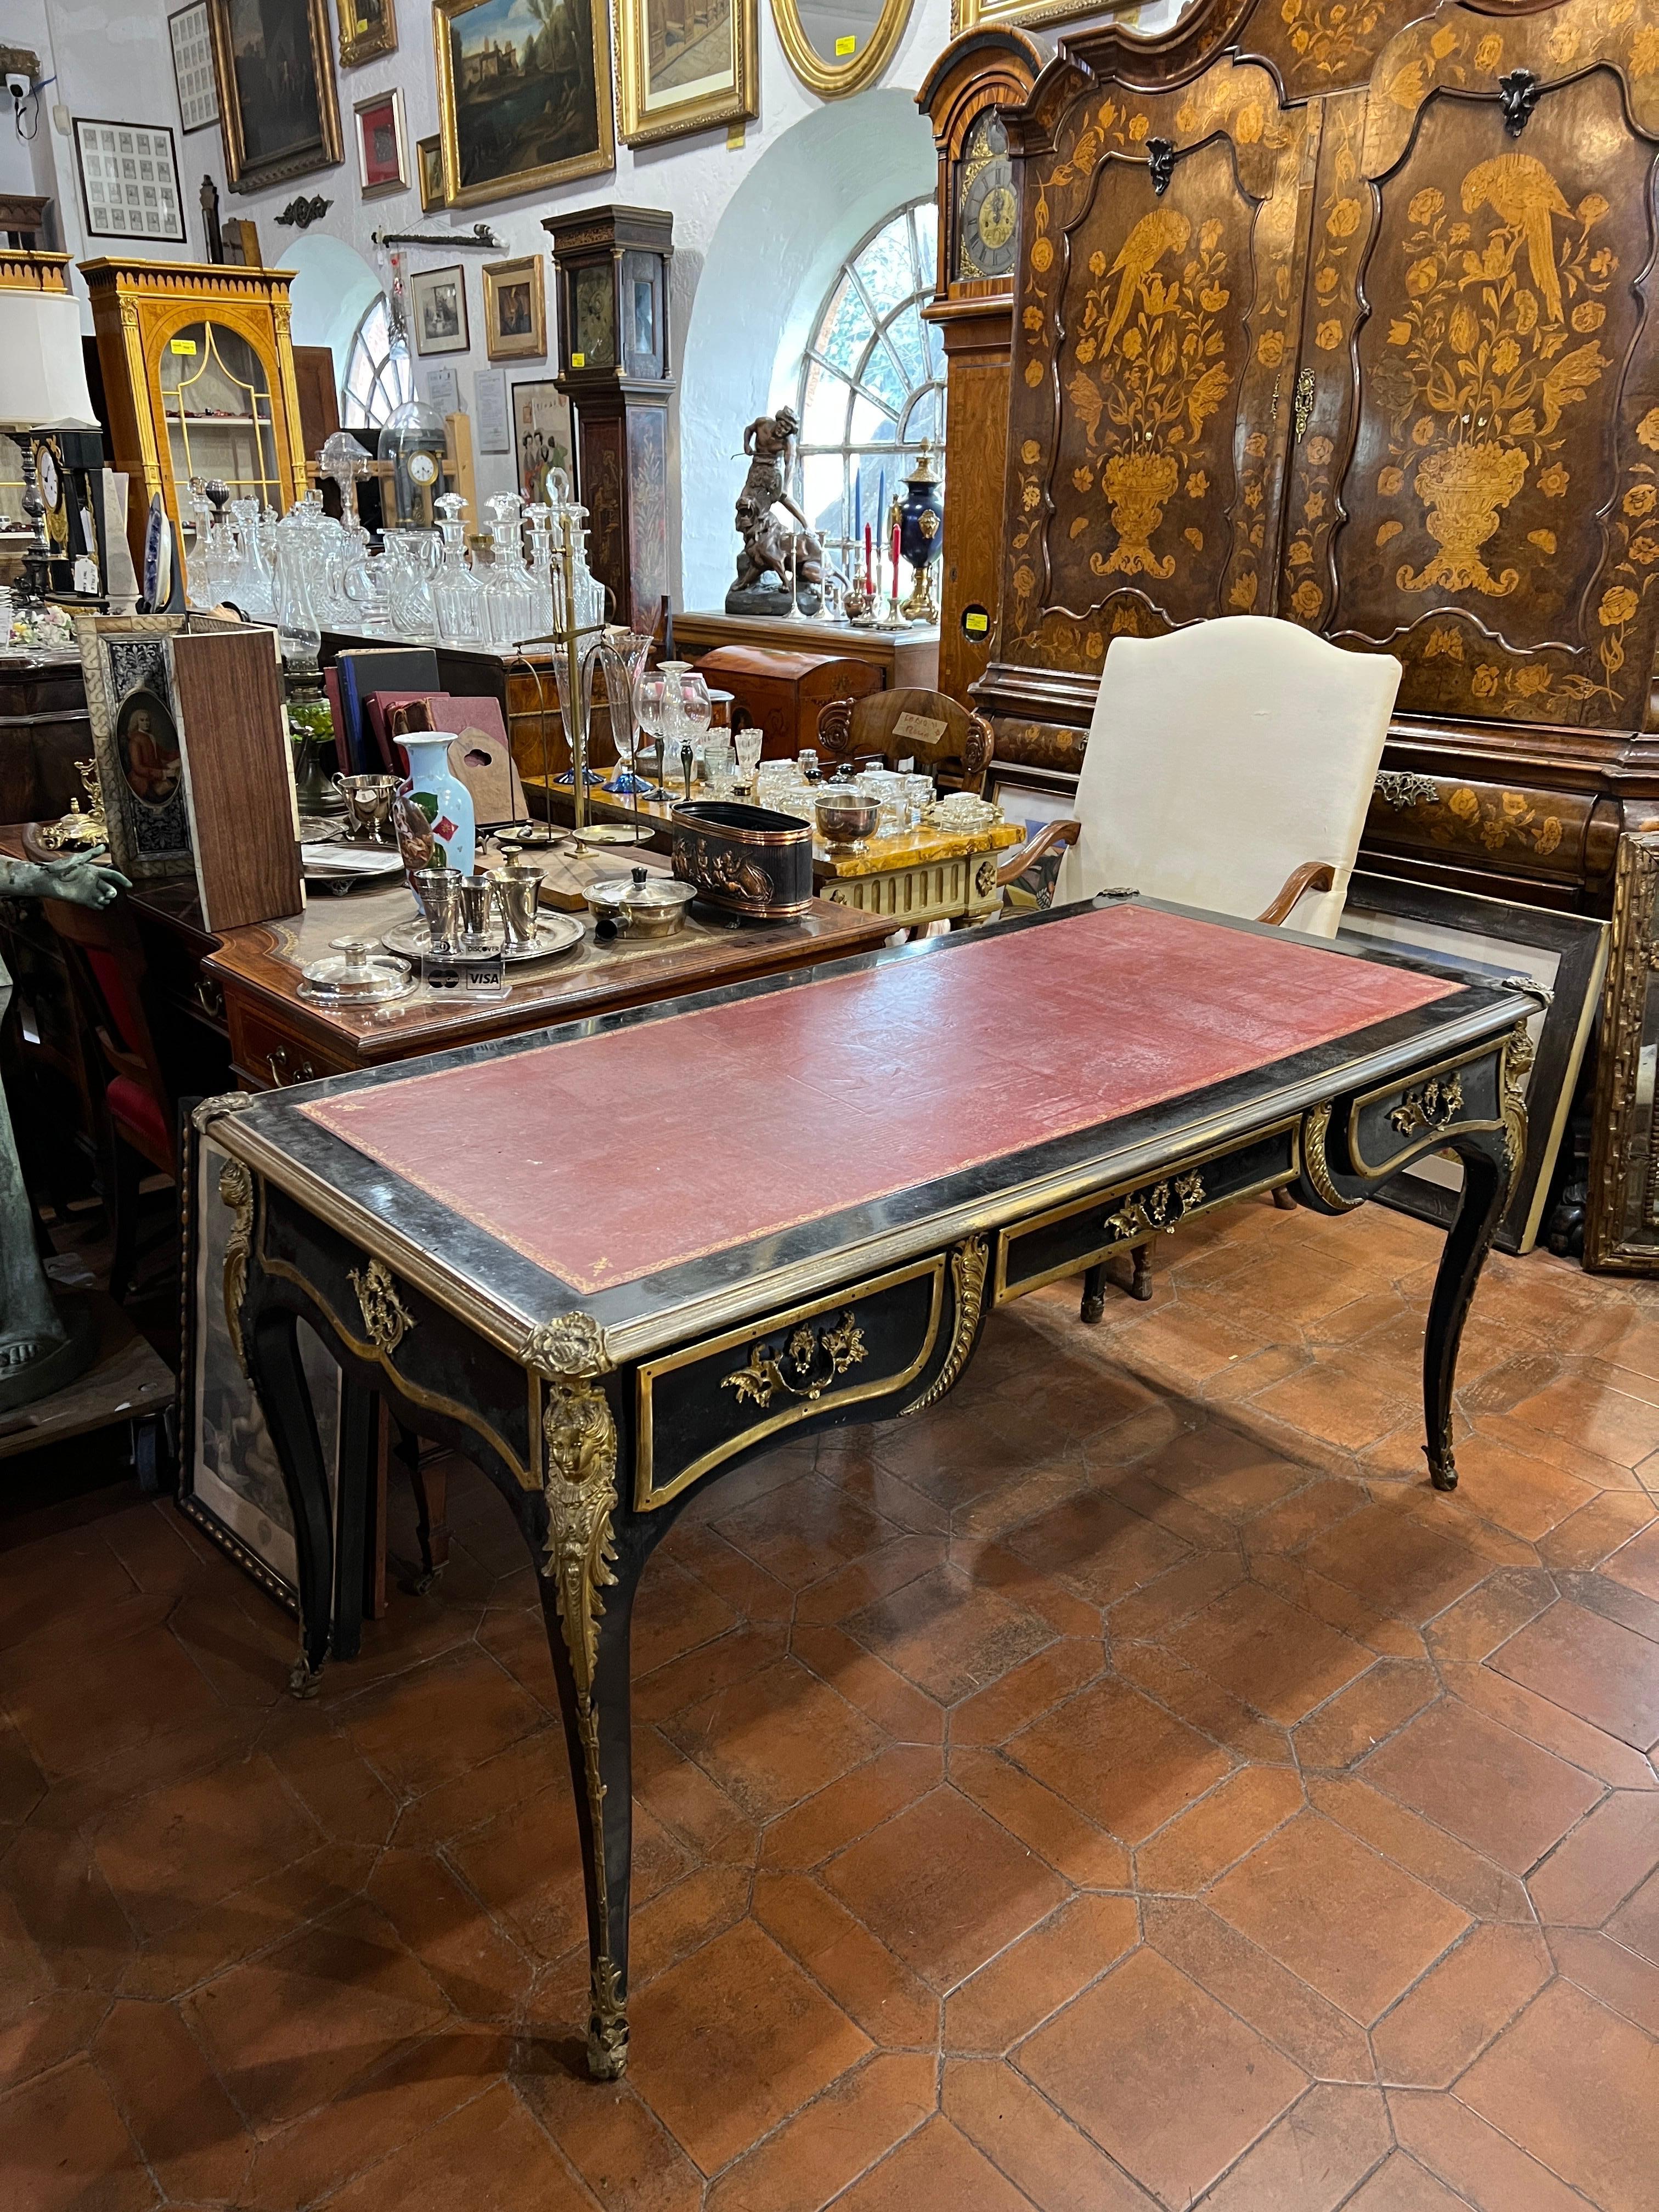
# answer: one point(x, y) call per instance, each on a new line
point(250, 1562)
point(1429, 1139)
point(374, 1235)
point(504, 1325)
point(1118, 1188)
point(647, 1496)
point(372, 1355)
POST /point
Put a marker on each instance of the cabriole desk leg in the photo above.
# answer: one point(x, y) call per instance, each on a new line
point(1485, 1161)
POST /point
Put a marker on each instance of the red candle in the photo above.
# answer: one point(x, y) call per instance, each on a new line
point(895, 554)
point(869, 564)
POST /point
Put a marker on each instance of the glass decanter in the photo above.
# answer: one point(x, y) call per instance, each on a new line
point(539, 517)
point(253, 579)
point(509, 596)
point(457, 595)
point(413, 558)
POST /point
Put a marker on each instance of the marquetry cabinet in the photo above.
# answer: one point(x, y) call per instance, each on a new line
point(198, 375)
point(1345, 314)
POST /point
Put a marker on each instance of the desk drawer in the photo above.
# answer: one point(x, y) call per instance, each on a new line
point(700, 1408)
point(1120, 1215)
point(270, 1056)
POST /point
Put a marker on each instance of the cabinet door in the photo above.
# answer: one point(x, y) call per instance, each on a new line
point(1156, 309)
point(1476, 488)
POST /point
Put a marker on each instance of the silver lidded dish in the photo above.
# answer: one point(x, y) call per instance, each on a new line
point(642, 904)
point(357, 977)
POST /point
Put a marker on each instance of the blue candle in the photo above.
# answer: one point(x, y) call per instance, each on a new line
point(881, 502)
point(858, 504)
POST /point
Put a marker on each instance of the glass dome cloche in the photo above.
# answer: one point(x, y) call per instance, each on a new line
point(414, 441)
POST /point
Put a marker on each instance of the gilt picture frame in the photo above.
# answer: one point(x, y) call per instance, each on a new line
point(515, 309)
point(429, 169)
point(685, 65)
point(1621, 1219)
point(524, 101)
point(382, 145)
point(279, 110)
point(437, 302)
point(368, 29)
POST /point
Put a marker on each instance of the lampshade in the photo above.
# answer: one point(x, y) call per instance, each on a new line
point(43, 377)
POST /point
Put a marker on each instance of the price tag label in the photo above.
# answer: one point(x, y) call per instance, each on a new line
point(845, 47)
point(182, 345)
point(975, 623)
point(578, 361)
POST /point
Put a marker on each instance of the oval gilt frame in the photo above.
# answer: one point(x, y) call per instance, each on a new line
point(835, 80)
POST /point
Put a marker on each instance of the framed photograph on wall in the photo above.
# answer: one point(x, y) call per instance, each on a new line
point(277, 107)
point(368, 27)
point(515, 310)
point(429, 168)
point(524, 101)
point(437, 298)
point(541, 438)
point(1492, 939)
point(382, 149)
point(192, 67)
point(685, 65)
point(129, 180)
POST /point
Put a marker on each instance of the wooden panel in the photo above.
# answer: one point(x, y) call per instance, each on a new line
point(601, 464)
point(1154, 332)
point(975, 459)
point(1475, 496)
point(319, 397)
point(239, 777)
point(647, 514)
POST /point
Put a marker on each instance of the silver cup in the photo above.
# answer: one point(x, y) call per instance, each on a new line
point(518, 892)
point(368, 802)
point(438, 894)
point(477, 900)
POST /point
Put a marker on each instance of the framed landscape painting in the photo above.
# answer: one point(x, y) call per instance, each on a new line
point(277, 107)
point(523, 94)
point(685, 65)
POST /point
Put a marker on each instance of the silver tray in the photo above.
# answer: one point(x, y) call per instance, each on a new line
point(555, 934)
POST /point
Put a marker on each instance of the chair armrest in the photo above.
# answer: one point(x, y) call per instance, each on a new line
point(1026, 855)
point(1311, 876)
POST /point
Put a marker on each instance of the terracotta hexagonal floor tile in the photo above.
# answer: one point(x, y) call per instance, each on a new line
point(1488, 1785)
point(949, 1634)
point(945, 1886)
point(1172, 2086)
point(1275, 1656)
point(1306, 1894)
point(1120, 1759)
point(732, 2039)
point(1605, 1672)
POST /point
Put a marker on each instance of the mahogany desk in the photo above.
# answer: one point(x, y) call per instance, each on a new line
point(1036, 1095)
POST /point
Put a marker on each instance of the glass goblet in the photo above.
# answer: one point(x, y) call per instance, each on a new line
point(749, 743)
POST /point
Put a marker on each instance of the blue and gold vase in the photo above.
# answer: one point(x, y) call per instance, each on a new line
point(921, 533)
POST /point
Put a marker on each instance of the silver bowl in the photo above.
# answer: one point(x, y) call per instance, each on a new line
point(847, 819)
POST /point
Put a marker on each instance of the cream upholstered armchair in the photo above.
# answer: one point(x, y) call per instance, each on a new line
point(1230, 765)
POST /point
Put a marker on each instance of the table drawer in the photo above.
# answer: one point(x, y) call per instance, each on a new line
point(270, 1056)
point(1387, 1127)
point(1073, 1237)
point(695, 1409)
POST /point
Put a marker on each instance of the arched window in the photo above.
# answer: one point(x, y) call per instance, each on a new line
point(377, 379)
point(872, 377)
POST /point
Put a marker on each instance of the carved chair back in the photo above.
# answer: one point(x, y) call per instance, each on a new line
point(945, 739)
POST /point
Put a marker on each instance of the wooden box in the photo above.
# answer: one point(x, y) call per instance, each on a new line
point(784, 692)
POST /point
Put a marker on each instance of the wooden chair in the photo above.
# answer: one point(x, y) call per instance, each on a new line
point(1230, 766)
point(139, 1118)
point(945, 740)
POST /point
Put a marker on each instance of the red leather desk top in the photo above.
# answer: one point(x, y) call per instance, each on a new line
point(606, 1158)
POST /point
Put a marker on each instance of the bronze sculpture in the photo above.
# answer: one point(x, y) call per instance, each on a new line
point(764, 585)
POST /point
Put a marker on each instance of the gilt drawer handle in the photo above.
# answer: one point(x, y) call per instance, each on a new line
point(1164, 1207)
point(814, 1359)
point(1433, 1105)
point(209, 997)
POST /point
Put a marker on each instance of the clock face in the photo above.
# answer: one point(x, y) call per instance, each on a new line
point(46, 475)
point(595, 336)
point(988, 212)
point(423, 468)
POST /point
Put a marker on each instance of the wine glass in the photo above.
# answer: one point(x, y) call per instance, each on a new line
point(748, 742)
point(650, 698)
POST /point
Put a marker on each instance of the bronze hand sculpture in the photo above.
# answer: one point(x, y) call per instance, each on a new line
point(39, 1352)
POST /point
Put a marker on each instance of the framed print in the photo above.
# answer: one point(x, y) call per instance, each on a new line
point(129, 180)
point(515, 310)
point(541, 438)
point(523, 96)
point(1621, 1222)
point(685, 65)
point(277, 108)
point(192, 67)
point(429, 167)
point(368, 27)
point(1492, 939)
point(229, 1482)
point(438, 300)
point(135, 741)
point(382, 151)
